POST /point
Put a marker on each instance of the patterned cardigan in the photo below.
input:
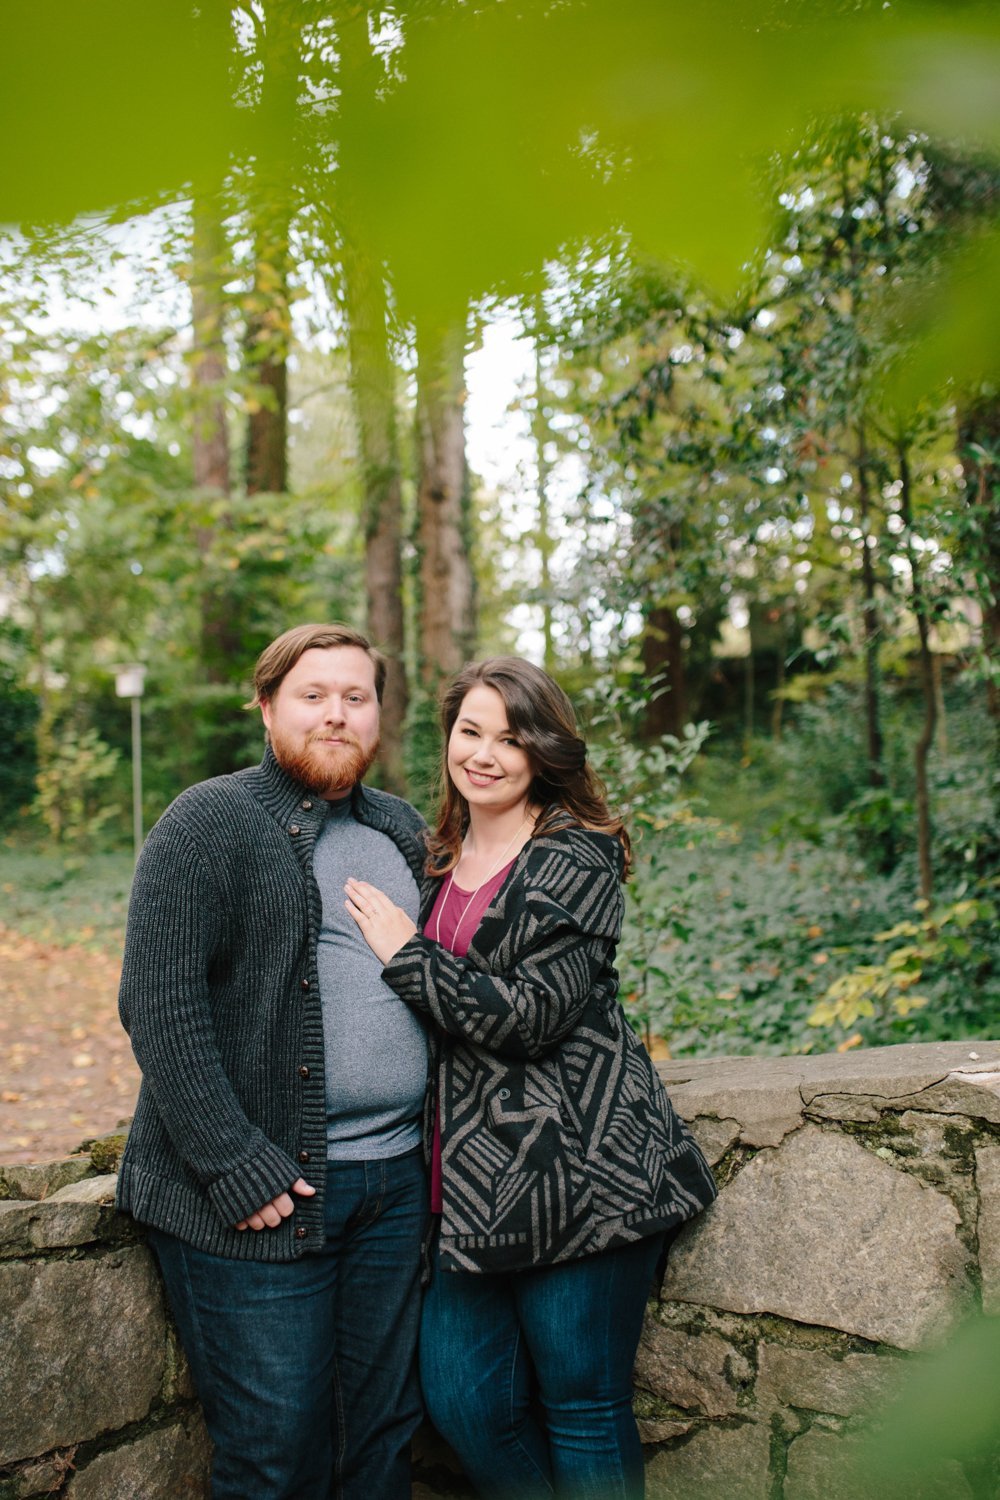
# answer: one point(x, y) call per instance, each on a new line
point(558, 1138)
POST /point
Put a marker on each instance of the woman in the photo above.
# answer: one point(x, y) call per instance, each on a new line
point(559, 1168)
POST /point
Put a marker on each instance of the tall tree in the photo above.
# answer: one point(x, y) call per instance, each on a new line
point(271, 185)
point(669, 447)
point(541, 436)
point(979, 451)
point(210, 448)
point(373, 382)
point(920, 604)
point(446, 628)
point(963, 188)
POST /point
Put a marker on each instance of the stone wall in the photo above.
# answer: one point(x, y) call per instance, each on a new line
point(858, 1220)
point(95, 1398)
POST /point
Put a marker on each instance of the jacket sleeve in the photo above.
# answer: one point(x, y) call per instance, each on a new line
point(548, 966)
point(173, 929)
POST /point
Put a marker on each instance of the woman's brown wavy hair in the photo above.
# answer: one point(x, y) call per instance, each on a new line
point(541, 716)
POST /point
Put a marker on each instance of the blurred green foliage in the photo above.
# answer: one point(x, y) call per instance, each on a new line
point(73, 790)
point(644, 779)
point(946, 1417)
point(507, 132)
point(749, 238)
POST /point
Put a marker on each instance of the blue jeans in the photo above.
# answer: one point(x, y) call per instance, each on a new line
point(529, 1375)
point(307, 1371)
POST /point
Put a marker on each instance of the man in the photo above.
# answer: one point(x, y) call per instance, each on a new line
point(275, 1152)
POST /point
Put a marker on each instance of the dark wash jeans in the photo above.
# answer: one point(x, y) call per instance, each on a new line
point(307, 1371)
point(529, 1375)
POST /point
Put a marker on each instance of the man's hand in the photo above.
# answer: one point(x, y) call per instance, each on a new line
point(271, 1214)
point(385, 927)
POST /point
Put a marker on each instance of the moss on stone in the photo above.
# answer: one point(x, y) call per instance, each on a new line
point(732, 1164)
point(106, 1152)
point(649, 1408)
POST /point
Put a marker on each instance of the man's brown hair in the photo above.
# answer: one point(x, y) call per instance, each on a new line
point(277, 660)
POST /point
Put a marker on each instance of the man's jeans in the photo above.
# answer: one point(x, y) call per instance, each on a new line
point(529, 1375)
point(306, 1371)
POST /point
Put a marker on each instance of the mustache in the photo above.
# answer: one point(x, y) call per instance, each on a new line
point(347, 741)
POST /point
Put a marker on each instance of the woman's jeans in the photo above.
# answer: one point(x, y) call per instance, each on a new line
point(529, 1375)
point(306, 1370)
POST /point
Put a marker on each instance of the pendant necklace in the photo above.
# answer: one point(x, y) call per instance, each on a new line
point(488, 876)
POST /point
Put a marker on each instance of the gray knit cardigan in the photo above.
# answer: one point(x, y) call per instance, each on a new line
point(220, 996)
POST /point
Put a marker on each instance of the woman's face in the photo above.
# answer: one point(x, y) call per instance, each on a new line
point(485, 761)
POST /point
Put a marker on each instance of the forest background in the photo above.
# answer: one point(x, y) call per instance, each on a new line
point(751, 517)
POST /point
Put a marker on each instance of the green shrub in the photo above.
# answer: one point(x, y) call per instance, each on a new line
point(72, 798)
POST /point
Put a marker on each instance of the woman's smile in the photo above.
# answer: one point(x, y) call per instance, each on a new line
point(485, 757)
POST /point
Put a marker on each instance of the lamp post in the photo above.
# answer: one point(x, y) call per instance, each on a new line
point(129, 682)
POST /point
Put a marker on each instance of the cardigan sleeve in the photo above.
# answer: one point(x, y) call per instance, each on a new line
point(173, 928)
point(552, 960)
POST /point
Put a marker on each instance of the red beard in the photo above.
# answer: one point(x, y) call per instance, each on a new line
point(323, 769)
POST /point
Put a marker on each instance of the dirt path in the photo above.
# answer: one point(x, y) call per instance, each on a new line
point(66, 1067)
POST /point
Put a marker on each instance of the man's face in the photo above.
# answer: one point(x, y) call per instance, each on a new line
point(324, 718)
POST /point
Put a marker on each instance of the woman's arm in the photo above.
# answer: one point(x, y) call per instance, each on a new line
point(560, 943)
point(520, 1014)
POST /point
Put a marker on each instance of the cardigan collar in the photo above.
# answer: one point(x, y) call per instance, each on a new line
point(289, 801)
point(298, 810)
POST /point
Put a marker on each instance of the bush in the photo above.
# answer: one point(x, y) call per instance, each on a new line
point(774, 903)
point(72, 788)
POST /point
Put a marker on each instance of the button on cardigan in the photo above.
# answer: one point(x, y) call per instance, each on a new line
point(219, 994)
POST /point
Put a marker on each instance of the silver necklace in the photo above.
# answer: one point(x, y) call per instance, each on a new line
point(488, 876)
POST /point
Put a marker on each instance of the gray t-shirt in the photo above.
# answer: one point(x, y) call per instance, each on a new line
point(376, 1048)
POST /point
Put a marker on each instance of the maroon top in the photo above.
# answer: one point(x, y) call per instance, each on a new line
point(453, 920)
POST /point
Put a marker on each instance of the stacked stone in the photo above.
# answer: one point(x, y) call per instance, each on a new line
point(859, 1221)
point(95, 1398)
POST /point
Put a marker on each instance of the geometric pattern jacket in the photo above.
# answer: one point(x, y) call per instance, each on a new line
point(558, 1138)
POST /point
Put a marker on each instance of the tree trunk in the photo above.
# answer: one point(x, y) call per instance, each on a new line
point(942, 716)
point(221, 636)
point(446, 609)
point(778, 701)
point(749, 684)
point(979, 450)
point(872, 631)
point(925, 739)
point(373, 386)
point(266, 348)
point(541, 435)
point(209, 430)
point(267, 338)
point(665, 670)
point(373, 389)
